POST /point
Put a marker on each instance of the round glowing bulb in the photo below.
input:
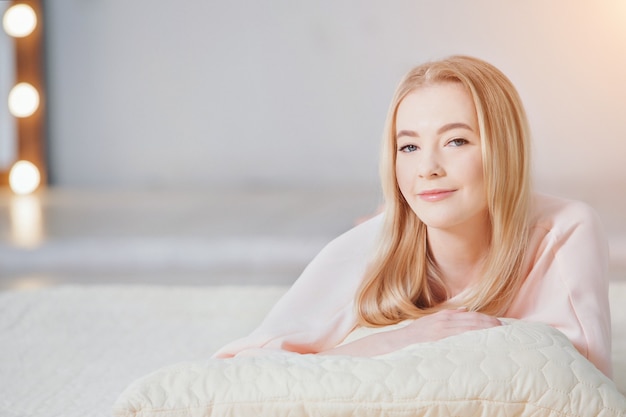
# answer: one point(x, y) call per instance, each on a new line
point(24, 177)
point(19, 20)
point(23, 100)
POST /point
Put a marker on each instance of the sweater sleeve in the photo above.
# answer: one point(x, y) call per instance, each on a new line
point(567, 284)
point(317, 312)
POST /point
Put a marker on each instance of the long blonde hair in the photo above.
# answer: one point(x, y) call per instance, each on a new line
point(402, 282)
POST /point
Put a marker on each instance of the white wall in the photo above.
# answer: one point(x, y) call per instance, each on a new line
point(167, 93)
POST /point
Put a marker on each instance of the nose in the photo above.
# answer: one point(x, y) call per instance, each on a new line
point(429, 165)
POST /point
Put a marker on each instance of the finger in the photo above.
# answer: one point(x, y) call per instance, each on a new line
point(473, 320)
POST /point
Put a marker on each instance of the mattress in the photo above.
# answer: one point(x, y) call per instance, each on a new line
point(72, 350)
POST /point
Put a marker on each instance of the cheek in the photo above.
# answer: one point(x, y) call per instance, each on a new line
point(475, 176)
point(478, 173)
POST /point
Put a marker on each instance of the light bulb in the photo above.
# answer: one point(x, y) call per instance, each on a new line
point(19, 20)
point(23, 100)
point(24, 177)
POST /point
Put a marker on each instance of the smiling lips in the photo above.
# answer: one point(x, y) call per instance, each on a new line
point(435, 195)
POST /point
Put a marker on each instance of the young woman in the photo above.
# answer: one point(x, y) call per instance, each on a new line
point(462, 240)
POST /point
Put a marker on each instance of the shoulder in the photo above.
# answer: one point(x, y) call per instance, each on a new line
point(560, 215)
point(566, 229)
point(361, 239)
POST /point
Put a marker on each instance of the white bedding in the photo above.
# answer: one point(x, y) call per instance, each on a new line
point(71, 351)
point(520, 369)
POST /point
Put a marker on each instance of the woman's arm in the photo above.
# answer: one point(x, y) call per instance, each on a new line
point(317, 312)
point(429, 328)
point(567, 283)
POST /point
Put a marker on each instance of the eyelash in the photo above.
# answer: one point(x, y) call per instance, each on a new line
point(456, 142)
point(463, 141)
point(405, 148)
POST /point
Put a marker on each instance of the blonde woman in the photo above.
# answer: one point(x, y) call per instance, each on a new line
point(462, 240)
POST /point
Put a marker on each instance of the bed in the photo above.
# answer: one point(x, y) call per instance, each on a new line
point(74, 350)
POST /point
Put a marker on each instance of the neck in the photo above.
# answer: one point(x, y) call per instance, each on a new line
point(460, 253)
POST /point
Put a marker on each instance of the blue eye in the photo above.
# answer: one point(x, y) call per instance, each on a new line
point(408, 148)
point(457, 142)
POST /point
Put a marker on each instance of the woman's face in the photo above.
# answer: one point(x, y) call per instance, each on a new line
point(439, 165)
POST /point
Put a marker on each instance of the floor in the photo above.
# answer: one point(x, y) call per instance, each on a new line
point(193, 237)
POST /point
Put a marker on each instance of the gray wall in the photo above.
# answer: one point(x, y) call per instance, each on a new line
point(244, 93)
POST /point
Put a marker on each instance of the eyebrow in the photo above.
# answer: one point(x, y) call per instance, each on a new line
point(442, 129)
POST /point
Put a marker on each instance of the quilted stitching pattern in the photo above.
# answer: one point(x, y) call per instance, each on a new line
point(521, 369)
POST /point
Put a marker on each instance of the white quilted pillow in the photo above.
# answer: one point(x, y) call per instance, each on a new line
point(521, 369)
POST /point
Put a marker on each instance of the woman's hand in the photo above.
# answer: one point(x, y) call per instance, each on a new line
point(429, 328)
point(444, 324)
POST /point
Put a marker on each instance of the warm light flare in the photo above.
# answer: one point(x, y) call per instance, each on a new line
point(23, 100)
point(19, 20)
point(24, 177)
point(31, 282)
point(26, 221)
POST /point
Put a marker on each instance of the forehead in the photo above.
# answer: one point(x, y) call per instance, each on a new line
point(435, 105)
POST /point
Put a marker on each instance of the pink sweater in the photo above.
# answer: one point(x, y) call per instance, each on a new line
point(566, 287)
